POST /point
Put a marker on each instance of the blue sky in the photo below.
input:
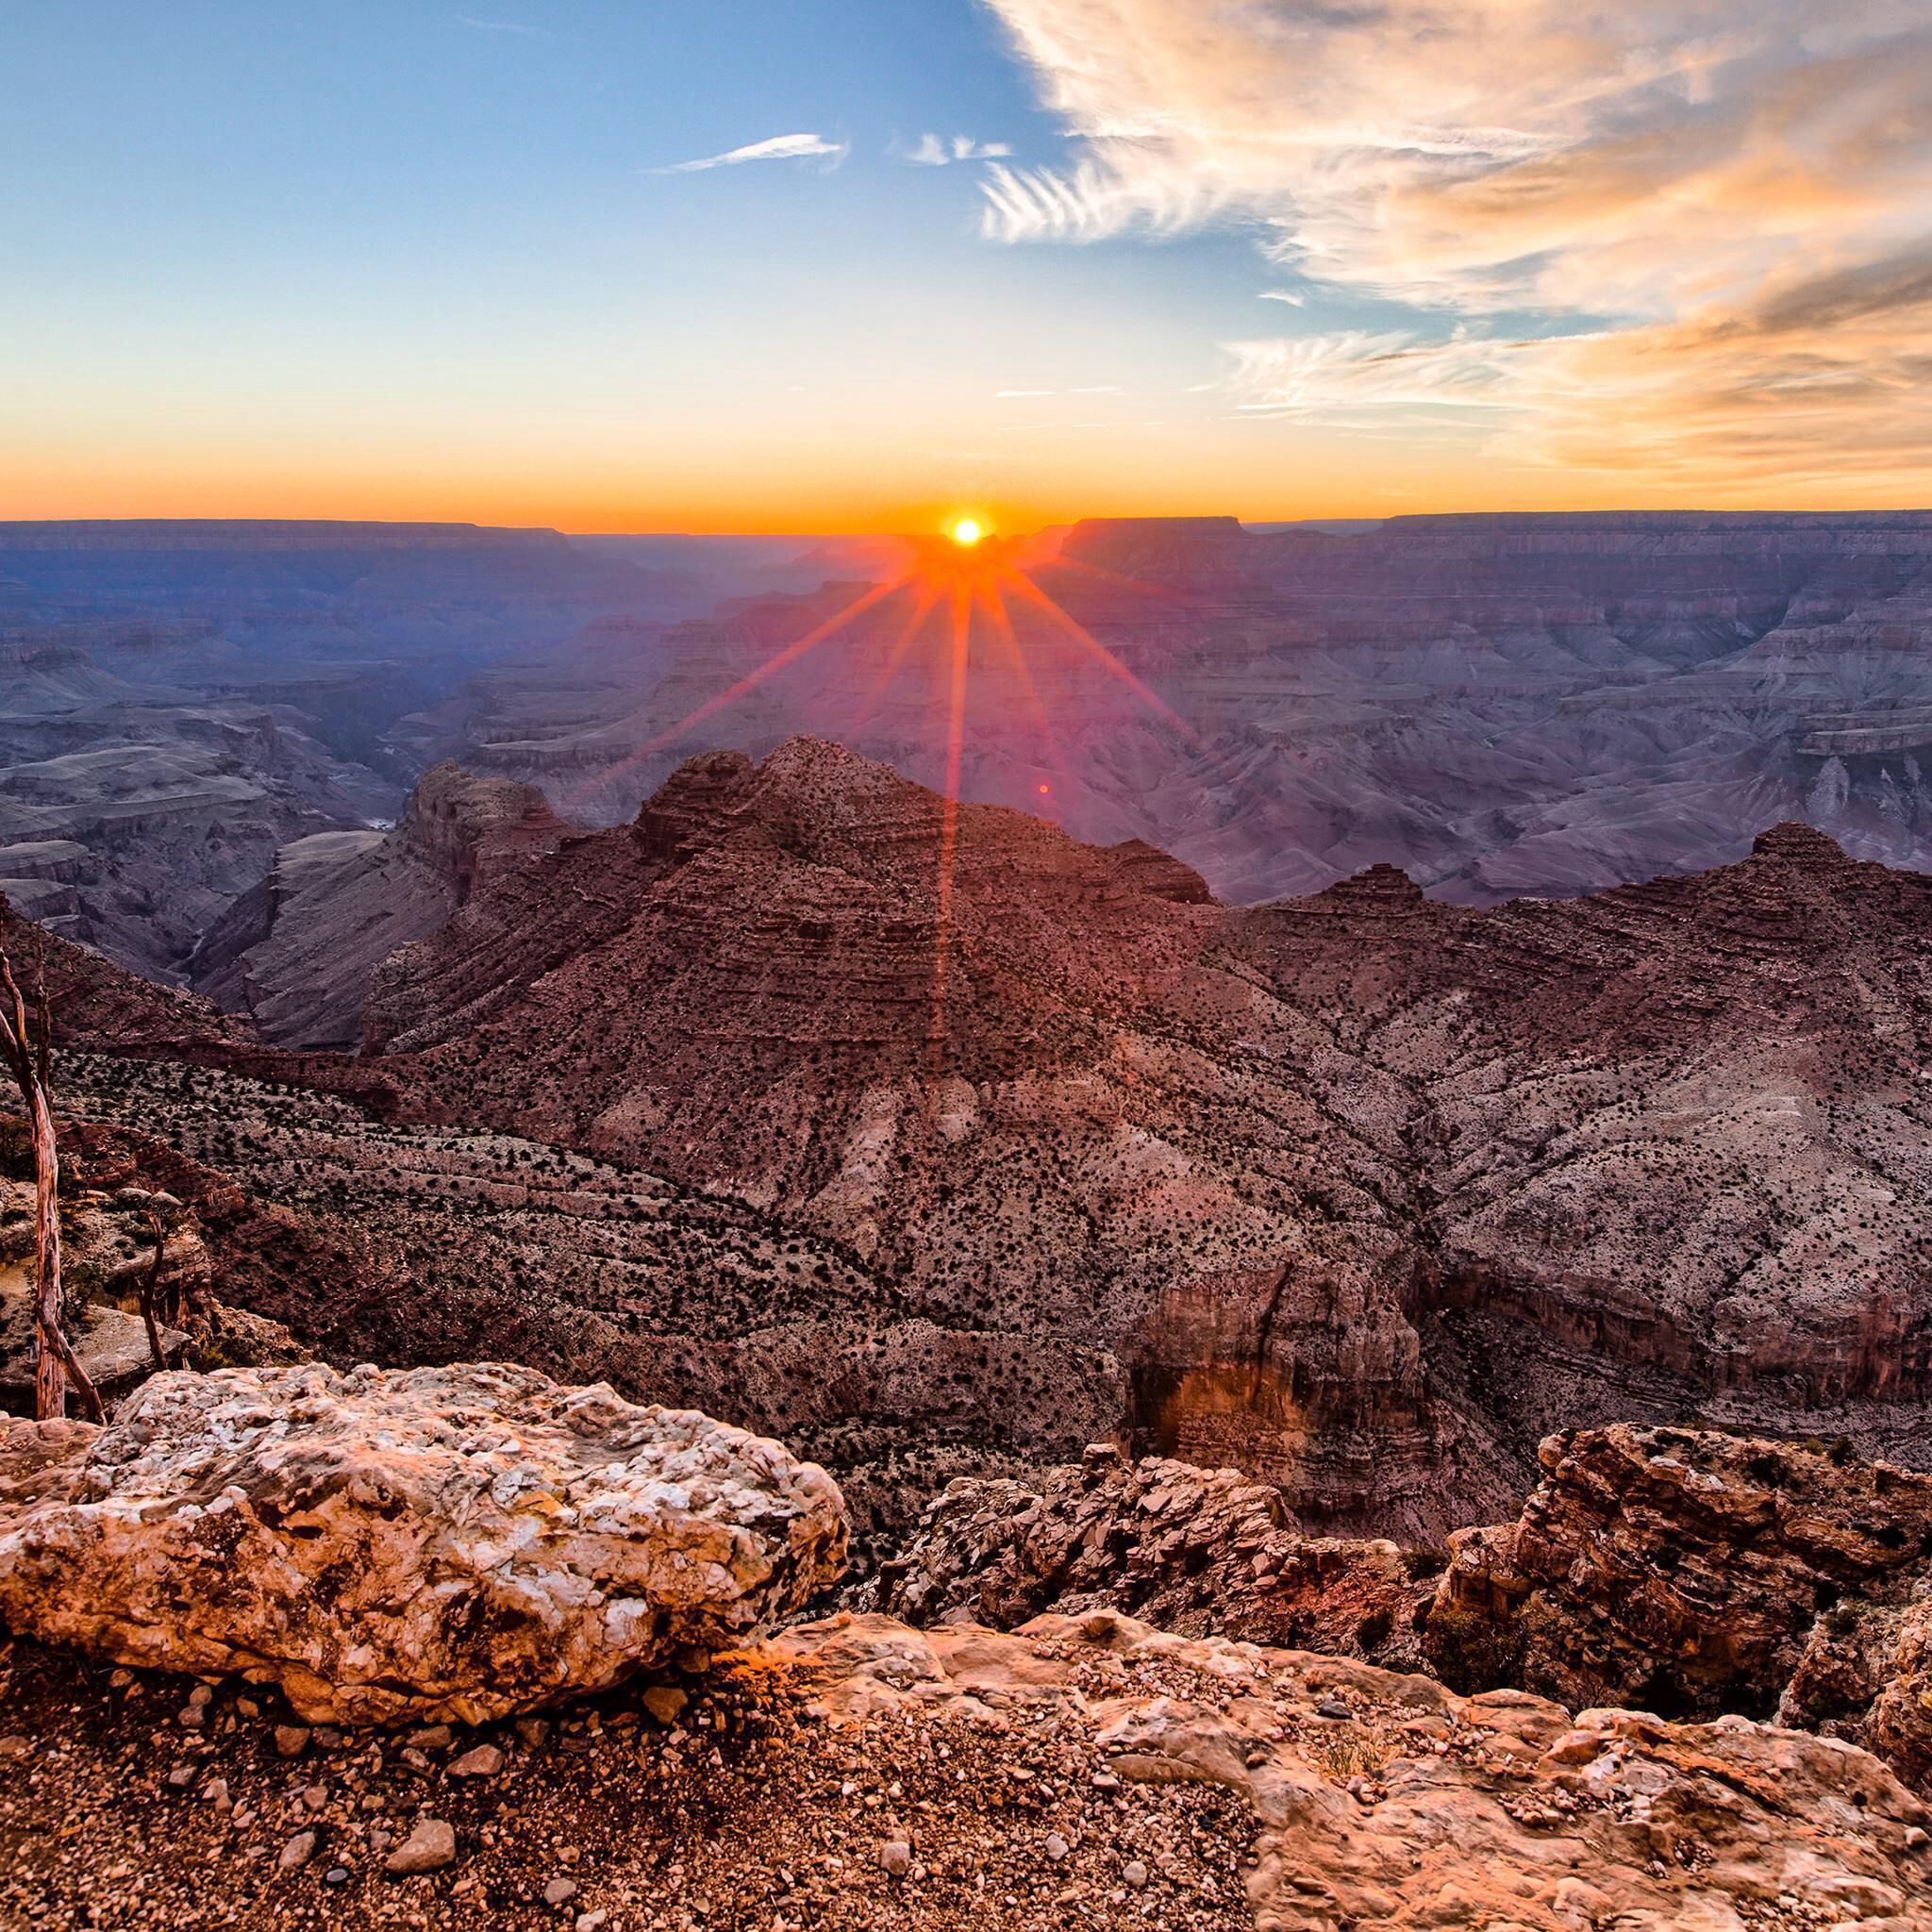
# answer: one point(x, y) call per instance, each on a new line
point(223, 220)
point(407, 259)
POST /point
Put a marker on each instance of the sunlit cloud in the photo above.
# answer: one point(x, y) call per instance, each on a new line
point(1675, 236)
point(1349, 368)
point(498, 26)
point(934, 153)
point(780, 147)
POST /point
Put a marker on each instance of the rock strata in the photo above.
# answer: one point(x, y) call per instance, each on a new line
point(392, 1546)
point(1690, 1571)
point(1191, 1550)
point(1361, 1194)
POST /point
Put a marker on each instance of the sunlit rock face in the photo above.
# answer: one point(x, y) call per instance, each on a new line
point(1497, 704)
point(1308, 1375)
point(389, 1545)
point(1690, 1572)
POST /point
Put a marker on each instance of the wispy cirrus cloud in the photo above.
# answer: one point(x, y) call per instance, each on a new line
point(1681, 236)
point(780, 147)
point(498, 26)
point(934, 153)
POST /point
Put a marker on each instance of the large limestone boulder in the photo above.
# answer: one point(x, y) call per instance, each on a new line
point(390, 1545)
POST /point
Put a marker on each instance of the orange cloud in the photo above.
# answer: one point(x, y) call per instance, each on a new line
point(1702, 219)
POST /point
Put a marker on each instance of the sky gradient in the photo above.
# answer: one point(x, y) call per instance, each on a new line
point(844, 264)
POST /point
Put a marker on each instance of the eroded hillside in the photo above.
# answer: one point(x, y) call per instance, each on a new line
point(1361, 1192)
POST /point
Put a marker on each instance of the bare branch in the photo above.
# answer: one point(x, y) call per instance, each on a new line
point(43, 1013)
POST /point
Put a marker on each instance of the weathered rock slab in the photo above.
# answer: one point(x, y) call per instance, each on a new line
point(399, 1545)
point(1694, 1571)
point(1418, 1810)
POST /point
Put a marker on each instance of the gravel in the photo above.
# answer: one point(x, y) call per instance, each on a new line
point(747, 1813)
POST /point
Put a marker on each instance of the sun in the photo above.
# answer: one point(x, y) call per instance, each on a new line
point(966, 531)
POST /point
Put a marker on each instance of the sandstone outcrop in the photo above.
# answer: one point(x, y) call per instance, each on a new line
point(392, 1545)
point(1191, 1550)
point(1381, 1799)
point(855, 1774)
point(1689, 1570)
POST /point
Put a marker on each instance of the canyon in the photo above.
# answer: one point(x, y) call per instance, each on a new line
point(180, 700)
point(936, 1142)
point(1500, 705)
point(1332, 1321)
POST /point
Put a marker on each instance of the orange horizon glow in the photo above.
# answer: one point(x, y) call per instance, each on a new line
point(594, 497)
point(888, 523)
point(973, 573)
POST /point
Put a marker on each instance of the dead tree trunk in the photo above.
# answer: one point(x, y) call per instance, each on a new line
point(151, 1290)
point(30, 1061)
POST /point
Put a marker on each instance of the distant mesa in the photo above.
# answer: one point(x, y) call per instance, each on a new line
point(217, 534)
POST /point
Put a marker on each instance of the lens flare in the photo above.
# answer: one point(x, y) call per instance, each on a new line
point(966, 531)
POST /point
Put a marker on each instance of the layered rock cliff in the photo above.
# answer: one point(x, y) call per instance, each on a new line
point(298, 952)
point(1357, 1193)
point(1687, 1571)
point(1362, 1193)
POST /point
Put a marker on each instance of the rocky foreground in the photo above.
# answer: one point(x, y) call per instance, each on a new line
point(1083, 1772)
point(461, 1646)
